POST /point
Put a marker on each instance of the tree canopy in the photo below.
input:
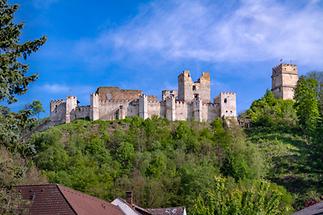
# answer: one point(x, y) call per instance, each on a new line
point(14, 80)
point(13, 72)
point(306, 104)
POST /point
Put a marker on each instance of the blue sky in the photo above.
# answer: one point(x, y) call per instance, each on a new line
point(142, 44)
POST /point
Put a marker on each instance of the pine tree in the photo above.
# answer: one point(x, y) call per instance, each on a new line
point(13, 78)
point(13, 81)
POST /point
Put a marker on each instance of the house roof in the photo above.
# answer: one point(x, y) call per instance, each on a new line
point(150, 211)
point(167, 211)
point(312, 210)
point(54, 199)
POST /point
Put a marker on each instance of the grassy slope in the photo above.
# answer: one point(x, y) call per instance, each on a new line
point(290, 161)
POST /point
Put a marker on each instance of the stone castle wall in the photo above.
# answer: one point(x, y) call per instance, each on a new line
point(190, 102)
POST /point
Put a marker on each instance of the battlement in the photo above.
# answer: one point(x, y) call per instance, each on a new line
point(228, 93)
point(83, 108)
point(57, 105)
point(285, 69)
point(191, 100)
point(281, 65)
point(180, 104)
point(57, 100)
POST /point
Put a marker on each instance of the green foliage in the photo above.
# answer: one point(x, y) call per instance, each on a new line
point(13, 82)
point(271, 112)
point(164, 163)
point(12, 127)
point(243, 160)
point(246, 197)
point(318, 76)
point(35, 108)
point(306, 104)
point(14, 170)
point(13, 79)
point(293, 151)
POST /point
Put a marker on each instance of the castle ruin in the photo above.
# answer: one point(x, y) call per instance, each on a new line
point(284, 80)
point(191, 101)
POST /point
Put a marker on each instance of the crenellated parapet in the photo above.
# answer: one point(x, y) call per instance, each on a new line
point(191, 101)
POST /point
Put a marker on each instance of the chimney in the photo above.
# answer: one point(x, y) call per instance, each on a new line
point(129, 197)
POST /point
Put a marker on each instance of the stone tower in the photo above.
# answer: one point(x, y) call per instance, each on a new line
point(228, 106)
point(71, 105)
point(188, 90)
point(95, 105)
point(284, 80)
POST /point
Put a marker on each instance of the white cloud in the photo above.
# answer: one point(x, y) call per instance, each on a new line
point(65, 89)
point(82, 92)
point(43, 3)
point(55, 88)
point(212, 31)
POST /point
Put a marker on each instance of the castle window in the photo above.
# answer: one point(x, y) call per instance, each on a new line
point(194, 88)
point(226, 111)
point(225, 100)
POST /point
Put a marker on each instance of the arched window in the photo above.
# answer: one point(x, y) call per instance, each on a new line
point(225, 100)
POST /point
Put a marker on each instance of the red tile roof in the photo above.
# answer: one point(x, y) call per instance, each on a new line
point(54, 199)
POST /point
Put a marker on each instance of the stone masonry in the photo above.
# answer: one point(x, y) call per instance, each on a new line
point(191, 101)
point(284, 80)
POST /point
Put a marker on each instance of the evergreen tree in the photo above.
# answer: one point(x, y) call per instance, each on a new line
point(13, 81)
point(13, 78)
point(306, 104)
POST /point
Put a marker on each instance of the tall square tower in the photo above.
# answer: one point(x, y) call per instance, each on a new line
point(284, 80)
point(189, 90)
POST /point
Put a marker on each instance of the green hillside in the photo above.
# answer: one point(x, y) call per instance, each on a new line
point(292, 163)
point(164, 163)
